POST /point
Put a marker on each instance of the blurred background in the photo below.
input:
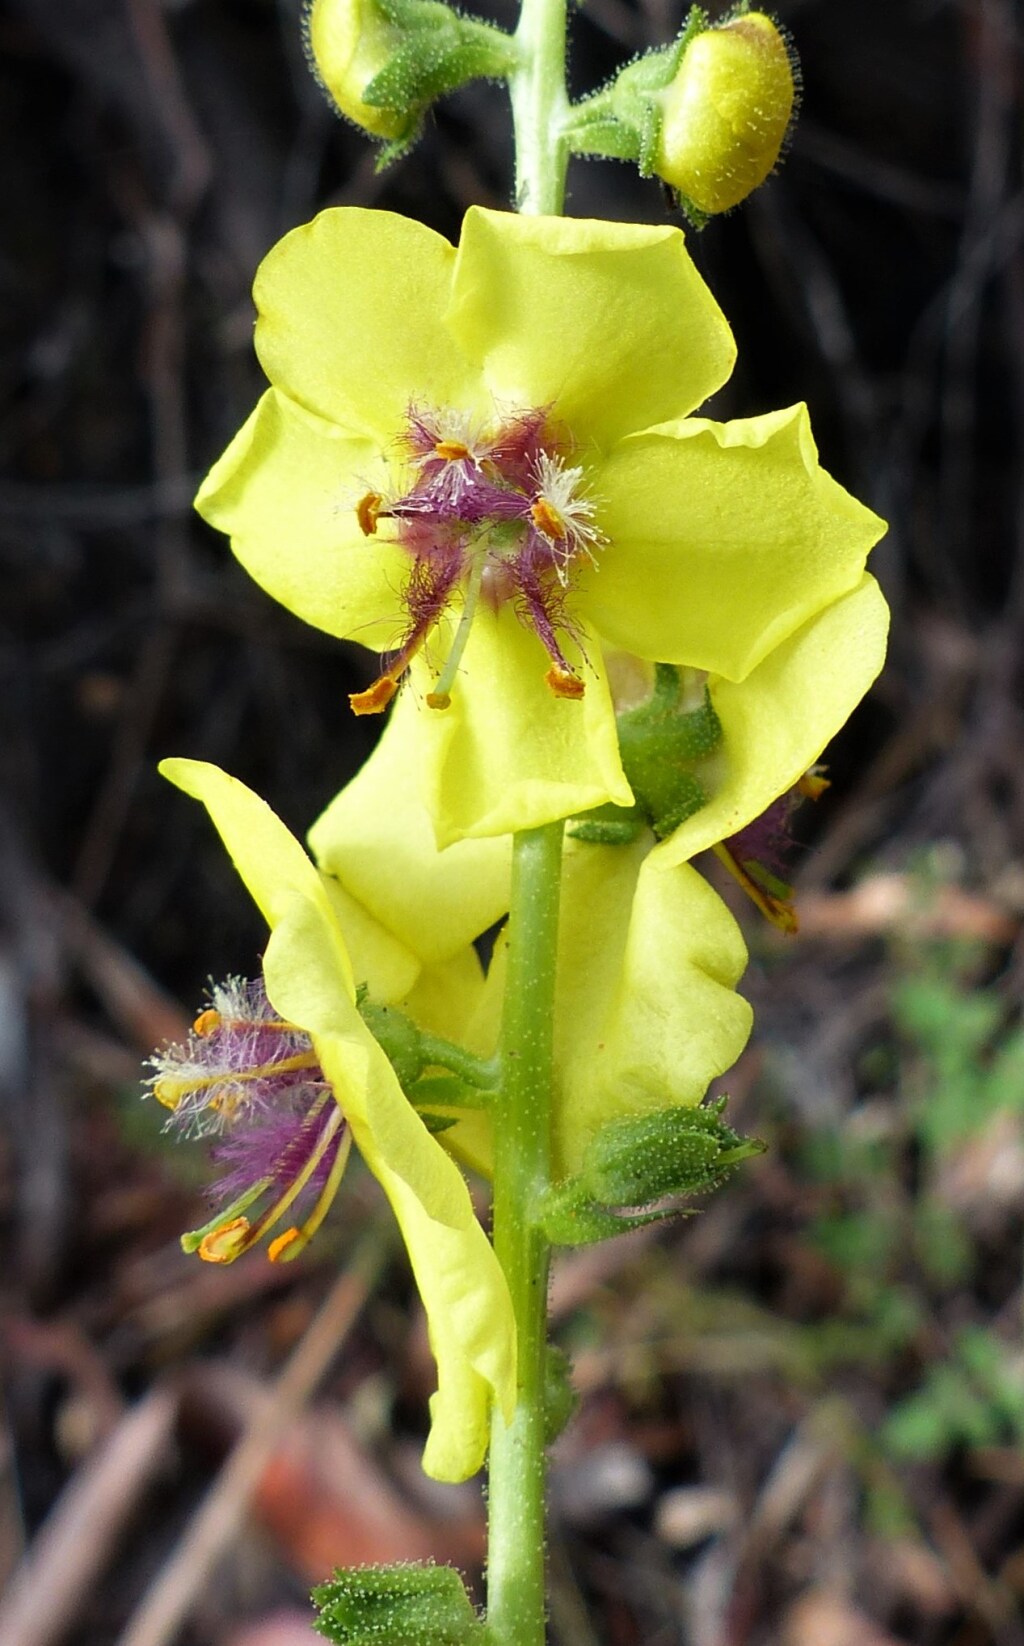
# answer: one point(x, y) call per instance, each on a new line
point(802, 1412)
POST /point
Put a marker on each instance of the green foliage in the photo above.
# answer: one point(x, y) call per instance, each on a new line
point(403, 1605)
point(976, 1398)
point(957, 1059)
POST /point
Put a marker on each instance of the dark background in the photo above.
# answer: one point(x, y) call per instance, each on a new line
point(801, 1415)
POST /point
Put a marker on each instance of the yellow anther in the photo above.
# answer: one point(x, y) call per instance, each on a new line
point(207, 1023)
point(564, 684)
point(225, 1243)
point(169, 1091)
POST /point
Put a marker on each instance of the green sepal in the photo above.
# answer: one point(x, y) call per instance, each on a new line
point(663, 745)
point(397, 1036)
point(673, 1152)
point(440, 51)
point(632, 1163)
point(560, 1398)
point(568, 1217)
point(405, 1605)
point(446, 1091)
point(622, 121)
point(436, 1123)
point(608, 825)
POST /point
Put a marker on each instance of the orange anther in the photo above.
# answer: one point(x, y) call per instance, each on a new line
point(278, 1247)
point(453, 451)
point(224, 1244)
point(547, 519)
point(564, 684)
point(206, 1023)
point(367, 510)
point(375, 698)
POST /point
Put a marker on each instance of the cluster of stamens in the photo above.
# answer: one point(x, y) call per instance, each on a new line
point(495, 514)
point(253, 1083)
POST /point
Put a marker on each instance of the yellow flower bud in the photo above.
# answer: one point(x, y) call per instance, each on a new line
point(350, 42)
point(726, 113)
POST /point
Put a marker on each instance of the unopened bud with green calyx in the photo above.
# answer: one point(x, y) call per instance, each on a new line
point(383, 62)
point(725, 114)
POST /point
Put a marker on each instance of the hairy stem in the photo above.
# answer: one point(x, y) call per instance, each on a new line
point(522, 1171)
point(540, 107)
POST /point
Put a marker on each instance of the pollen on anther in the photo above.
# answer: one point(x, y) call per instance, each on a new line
point(375, 698)
point(207, 1023)
point(564, 684)
point(222, 1245)
point(367, 511)
point(548, 520)
point(278, 1247)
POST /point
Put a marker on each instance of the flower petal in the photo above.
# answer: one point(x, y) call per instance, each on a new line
point(286, 490)
point(469, 1312)
point(777, 721)
point(647, 1009)
point(724, 539)
point(508, 754)
point(388, 967)
point(351, 310)
point(609, 323)
point(377, 838)
point(269, 859)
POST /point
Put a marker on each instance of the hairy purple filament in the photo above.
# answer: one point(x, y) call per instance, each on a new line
point(495, 513)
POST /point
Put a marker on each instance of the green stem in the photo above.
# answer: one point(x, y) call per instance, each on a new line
point(522, 1171)
point(540, 107)
point(480, 1072)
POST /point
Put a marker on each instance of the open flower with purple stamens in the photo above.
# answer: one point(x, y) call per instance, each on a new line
point(483, 462)
point(286, 1075)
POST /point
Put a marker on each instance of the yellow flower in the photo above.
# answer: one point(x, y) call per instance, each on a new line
point(310, 983)
point(484, 458)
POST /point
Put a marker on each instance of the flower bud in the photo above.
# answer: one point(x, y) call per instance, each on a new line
point(725, 114)
point(350, 42)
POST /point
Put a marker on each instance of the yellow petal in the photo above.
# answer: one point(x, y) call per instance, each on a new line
point(724, 539)
point(508, 754)
point(390, 970)
point(351, 320)
point(269, 859)
point(777, 722)
point(469, 1313)
point(608, 323)
point(286, 491)
point(647, 1010)
point(377, 839)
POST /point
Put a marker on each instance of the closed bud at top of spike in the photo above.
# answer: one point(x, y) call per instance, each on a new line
point(726, 112)
point(350, 42)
